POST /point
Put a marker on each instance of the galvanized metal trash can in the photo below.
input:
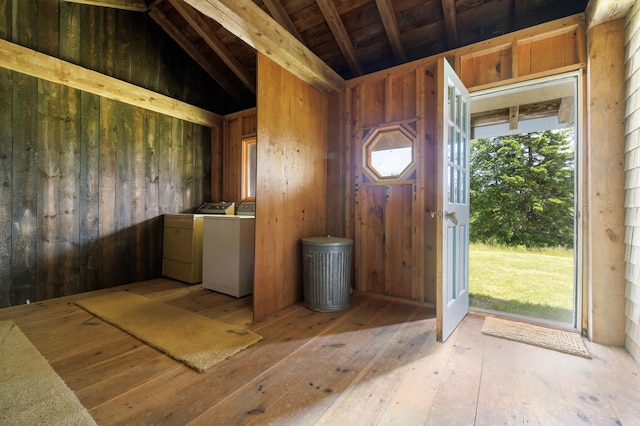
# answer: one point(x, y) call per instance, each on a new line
point(326, 273)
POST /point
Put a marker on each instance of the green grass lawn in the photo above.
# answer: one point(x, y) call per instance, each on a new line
point(533, 283)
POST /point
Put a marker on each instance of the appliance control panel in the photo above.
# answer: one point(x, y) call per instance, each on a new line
point(217, 208)
point(247, 208)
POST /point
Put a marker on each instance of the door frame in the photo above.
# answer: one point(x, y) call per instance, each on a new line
point(579, 177)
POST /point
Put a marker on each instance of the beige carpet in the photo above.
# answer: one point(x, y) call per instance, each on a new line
point(31, 392)
point(558, 340)
point(193, 339)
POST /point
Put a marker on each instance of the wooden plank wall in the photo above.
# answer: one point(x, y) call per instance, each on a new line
point(338, 154)
point(553, 47)
point(236, 127)
point(632, 182)
point(85, 179)
point(389, 228)
point(291, 182)
point(406, 94)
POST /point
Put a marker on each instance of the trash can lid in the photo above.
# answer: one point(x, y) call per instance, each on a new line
point(326, 241)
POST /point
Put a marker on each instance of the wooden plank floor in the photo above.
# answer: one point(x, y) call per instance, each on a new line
point(374, 363)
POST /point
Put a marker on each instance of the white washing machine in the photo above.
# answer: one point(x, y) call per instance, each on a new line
point(228, 254)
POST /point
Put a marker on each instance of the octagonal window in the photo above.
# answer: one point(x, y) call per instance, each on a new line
point(389, 153)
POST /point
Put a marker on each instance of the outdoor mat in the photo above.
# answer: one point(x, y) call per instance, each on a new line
point(31, 392)
point(193, 339)
point(558, 340)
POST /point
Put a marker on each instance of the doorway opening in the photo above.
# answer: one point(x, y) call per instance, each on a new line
point(525, 220)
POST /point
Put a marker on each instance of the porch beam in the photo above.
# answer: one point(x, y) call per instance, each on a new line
point(602, 11)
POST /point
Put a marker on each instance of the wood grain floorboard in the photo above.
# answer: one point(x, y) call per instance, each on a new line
point(376, 363)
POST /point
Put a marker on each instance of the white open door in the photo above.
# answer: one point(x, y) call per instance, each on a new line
point(453, 201)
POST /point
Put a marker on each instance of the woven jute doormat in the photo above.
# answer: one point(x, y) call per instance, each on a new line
point(557, 340)
point(193, 339)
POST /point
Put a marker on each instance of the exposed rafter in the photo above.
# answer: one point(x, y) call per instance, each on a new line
point(341, 35)
point(566, 111)
point(514, 112)
point(197, 56)
point(198, 23)
point(134, 5)
point(451, 22)
point(388, 15)
point(519, 13)
point(247, 21)
point(282, 17)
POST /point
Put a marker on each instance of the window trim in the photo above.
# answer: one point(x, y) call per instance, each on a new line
point(246, 168)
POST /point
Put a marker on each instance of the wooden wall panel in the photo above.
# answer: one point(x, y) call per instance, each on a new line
point(24, 197)
point(549, 53)
point(373, 95)
point(107, 194)
point(6, 182)
point(237, 126)
point(388, 216)
point(232, 161)
point(488, 67)
point(398, 231)
point(152, 225)
point(48, 189)
point(545, 49)
point(84, 180)
point(370, 247)
point(337, 167)
point(291, 190)
point(89, 193)
point(137, 196)
point(70, 163)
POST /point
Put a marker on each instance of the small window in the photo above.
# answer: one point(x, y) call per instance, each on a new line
point(249, 166)
point(390, 153)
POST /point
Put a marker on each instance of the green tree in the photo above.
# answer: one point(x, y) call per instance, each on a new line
point(522, 189)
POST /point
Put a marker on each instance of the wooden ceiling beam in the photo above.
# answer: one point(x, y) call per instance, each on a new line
point(26, 61)
point(192, 51)
point(388, 16)
point(282, 17)
point(331, 15)
point(133, 5)
point(451, 22)
point(254, 26)
point(198, 23)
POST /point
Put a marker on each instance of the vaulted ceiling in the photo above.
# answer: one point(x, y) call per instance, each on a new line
point(352, 37)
